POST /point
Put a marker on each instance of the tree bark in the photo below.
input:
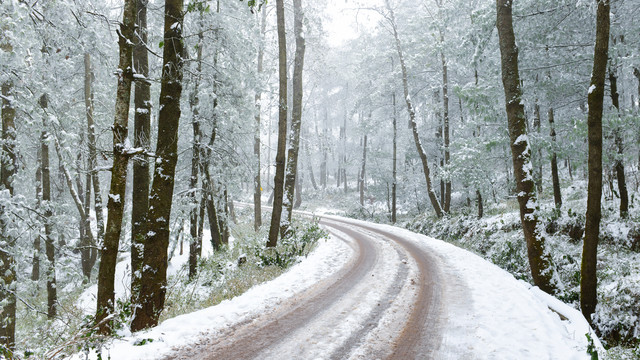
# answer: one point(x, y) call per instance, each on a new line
point(619, 164)
point(557, 195)
point(141, 138)
point(363, 177)
point(115, 204)
point(537, 123)
point(480, 206)
point(35, 269)
point(296, 117)
point(194, 102)
point(278, 181)
point(588, 279)
point(394, 185)
point(154, 266)
point(412, 116)
point(93, 162)
point(8, 169)
point(257, 183)
point(47, 206)
point(539, 259)
point(445, 108)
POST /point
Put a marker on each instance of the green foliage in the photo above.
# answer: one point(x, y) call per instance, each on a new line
point(230, 272)
point(141, 342)
point(298, 242)
point(591, 348)
point(6, 353)
point(198, 5)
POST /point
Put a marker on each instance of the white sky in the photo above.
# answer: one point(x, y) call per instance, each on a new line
point(347, 21)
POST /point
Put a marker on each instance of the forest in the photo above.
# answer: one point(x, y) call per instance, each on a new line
point(174, 140)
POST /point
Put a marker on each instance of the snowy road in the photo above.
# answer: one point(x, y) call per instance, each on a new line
point(373, 292)
point(386, 303)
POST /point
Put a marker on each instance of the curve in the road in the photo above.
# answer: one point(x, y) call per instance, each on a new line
point(419, 334)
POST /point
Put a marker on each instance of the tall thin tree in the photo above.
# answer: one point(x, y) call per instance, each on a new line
point(412, 113)
point(557, 195)
point(278, 181)
point(93, 156)
point(47, 206)
point(154, 267)
point(257, 183)
point(141, 138)
point(588, 279)
point(296, 115)
point(539, 259)
point(8, 167)
point(115, 204)
point(445, 107)
point(619, 142)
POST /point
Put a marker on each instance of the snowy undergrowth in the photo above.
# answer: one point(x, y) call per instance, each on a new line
point(222, 275)
point(499, 238)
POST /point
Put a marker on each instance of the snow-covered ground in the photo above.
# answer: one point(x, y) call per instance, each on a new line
point(508, 320)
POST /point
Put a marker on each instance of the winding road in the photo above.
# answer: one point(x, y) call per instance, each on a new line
point(389, 301)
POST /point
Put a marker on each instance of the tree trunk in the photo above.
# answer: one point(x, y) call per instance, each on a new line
point(296, 117)
point(141, 138)
point(445, 108)
point(84, 224)
point(47, 206)
point(412, 117)
point(619, 165)
point(278, 181)
point(539, 259)
point(35, 269)
point(636, 73)
point(363, 177)
point(115, 204)
point(440, 147)
point(480, 206)
point(257, 183)
point(93, 162)
point(194, 102)
point(8, 169)
point(537, 123)
point(298, 192)
point(394, 185)
point(310, 167)
point(588, 279)
point(557, 195)
point(154, 266)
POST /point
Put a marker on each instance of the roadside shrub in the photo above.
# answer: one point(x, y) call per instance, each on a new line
point(297, 243)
